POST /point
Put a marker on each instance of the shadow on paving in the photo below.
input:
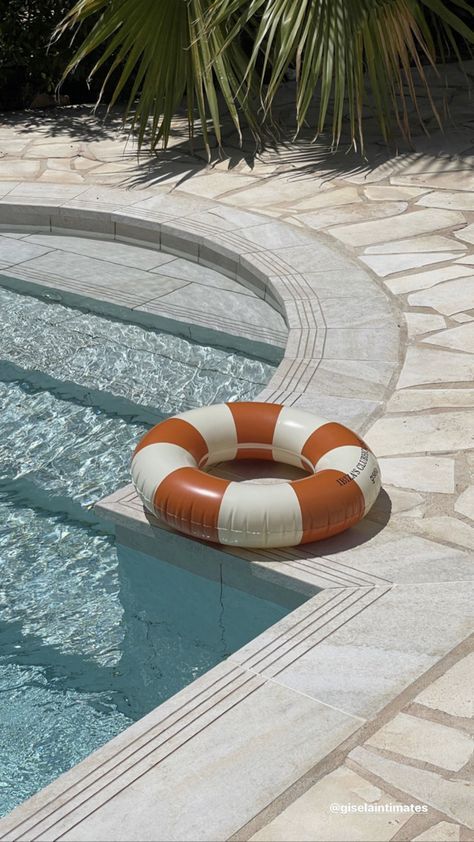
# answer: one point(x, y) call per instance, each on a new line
point(77, 122)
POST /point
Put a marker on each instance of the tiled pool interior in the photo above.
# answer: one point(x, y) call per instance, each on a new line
point(94, 635)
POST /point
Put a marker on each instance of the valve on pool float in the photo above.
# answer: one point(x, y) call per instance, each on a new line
point(343, 481)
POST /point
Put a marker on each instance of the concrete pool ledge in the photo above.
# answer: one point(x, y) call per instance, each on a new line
point(383, 605)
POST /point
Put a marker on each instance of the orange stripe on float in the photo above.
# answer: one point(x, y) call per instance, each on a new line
point(328, 437)
point(255, 422)
point(328, 506)
point(176, 431)
point(189, 500)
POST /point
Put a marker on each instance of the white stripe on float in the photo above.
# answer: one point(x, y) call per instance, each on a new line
point(360, 464)
point(292, 430)
point(152, 464)
point(217, 427)
point(250, 516)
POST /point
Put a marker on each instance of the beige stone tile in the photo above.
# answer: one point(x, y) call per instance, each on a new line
point(329, 198)
point(49, 194)
point(462, 318)
point(170, 178)
point(215, 184)
point(13, 146)
point(403, 502)
point(458, 338)
point(362, 344)
point(317, 256)
point(414, 400)
point(425, 280)
point(268, 211)
point(228, 218)
point(399, 518)
point(465, 503)
point(274, 192)
point(453, 692)
point(416, 244)
point(419, 323)
point(451, 201)
point(353, 412)
point(441, 832)
point(112, 198)
point(448, 297)
point(16, 170)
point(61, 177)
point(410, 224)
point(420, 473)
point(447, 528)
point(470, 462)
point(421, 433)
point(84, 164)
point(309, 818)
point(391, 193)
point(52, 150)
point(424, 365)
point(6, 187)
point(59, 164)
point(461, 180)
point(364, 663)
point(173, 205)
point(427, 161)
point(399, 557)
point(352, 312)
point(389, 264)
point(273, 235)
point(466, 234)
point(109, 150)
point(352, 213)
point(116, 168)
point(452, 797)
point(424, 740)
point(257, 167)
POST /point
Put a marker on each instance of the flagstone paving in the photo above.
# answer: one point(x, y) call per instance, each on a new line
point(420, 760)
point(409, 219)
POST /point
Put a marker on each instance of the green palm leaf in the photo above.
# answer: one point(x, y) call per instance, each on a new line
point(162, 51)
point(350, 53)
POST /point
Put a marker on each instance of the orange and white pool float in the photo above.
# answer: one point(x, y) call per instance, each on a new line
point(342, 485)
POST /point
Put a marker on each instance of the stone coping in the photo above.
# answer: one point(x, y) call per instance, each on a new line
point(384, 605)
point(341, 354)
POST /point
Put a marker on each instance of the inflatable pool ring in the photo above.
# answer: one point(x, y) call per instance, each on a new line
point(342, 485)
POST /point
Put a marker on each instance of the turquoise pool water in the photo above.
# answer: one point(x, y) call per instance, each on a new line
point(92, 634)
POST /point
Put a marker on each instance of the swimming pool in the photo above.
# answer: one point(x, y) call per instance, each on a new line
point(93, 634)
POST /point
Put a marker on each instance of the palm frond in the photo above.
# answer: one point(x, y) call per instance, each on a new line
point(348, 52)
point(349, 55)
point(159, 49)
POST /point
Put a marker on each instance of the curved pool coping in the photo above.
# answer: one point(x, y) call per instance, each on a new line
point(297, 698)
point(343, 349)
